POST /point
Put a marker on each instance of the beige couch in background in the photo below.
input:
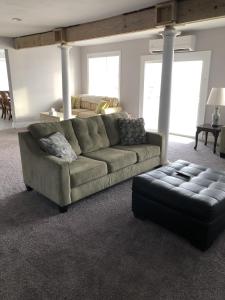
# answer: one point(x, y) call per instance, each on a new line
point(85, 106)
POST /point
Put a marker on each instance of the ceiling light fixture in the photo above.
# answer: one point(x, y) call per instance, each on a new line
point(16, 19)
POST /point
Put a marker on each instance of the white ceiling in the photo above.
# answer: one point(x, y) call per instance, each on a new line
point(43, 15)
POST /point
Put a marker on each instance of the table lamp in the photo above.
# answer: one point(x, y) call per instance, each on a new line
point(216, 98)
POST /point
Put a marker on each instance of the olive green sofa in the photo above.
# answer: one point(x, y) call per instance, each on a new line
point(102, 161)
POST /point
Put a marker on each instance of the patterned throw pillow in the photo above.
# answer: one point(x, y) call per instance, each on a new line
point(132, 131)
point(57, 145)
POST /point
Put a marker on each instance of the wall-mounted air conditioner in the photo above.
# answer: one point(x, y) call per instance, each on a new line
point(182, 43)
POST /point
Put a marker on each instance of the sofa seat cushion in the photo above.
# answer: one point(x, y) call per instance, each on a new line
point(143, 151)
point(87, 114)
point(85, 169)
point(90, 133)
point(116, 159)
point(77, 111)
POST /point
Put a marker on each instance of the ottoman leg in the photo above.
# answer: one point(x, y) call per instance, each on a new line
point(139, 215)
point(137, 209)
point(28, 188)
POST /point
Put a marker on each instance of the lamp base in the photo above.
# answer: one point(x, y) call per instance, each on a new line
point(215, 117)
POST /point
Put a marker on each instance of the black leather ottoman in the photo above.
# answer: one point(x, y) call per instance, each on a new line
point(191, 206)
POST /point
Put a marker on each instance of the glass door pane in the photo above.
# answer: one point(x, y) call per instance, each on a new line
point(185, 95)
point(4, 85)
point(152, 82)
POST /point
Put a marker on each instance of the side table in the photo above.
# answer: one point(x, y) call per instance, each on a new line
point(208, 128)
point(45, 117)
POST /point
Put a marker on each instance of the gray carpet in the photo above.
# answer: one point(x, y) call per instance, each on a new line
point(98, 250)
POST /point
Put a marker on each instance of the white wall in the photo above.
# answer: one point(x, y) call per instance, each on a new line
point(131, 52)
point(37, 80)
point(214, 40)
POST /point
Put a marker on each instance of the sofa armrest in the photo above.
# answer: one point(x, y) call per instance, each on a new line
point(47, 174)
point(158, 139)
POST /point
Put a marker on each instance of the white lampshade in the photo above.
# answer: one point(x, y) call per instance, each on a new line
point(217, 97)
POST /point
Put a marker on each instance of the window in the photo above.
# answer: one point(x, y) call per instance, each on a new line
point(104, 74)
point(188, 95)
point(4, 85)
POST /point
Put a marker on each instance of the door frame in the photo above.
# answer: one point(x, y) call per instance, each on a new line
point(205, 56)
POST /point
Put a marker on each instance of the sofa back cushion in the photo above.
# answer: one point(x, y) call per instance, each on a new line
point(91, 133)
point(88, 105)
point(41, 130)
point(111, 126)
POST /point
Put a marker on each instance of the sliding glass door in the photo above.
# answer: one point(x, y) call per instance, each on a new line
point(189, 91)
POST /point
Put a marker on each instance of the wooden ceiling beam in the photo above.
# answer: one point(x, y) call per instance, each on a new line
point(131, 22)
point(180, 12)
point(198, 10)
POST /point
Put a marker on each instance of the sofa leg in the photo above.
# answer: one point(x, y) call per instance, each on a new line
point(28, 188)
point(63, 209)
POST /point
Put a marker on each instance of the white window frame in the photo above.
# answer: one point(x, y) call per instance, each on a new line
point(205, 56)
point(105, 54)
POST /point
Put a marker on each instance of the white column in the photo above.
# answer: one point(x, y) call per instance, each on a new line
point(66, 80)
point(169, 35)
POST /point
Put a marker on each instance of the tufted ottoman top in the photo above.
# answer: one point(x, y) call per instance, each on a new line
point(201, 196)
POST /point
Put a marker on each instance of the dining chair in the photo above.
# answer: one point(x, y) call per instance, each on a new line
point(2, 106)
point(6, 105)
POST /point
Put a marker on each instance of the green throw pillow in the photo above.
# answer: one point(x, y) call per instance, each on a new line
point(56, 144)
point(132, 131)
point(101, 105)
point(75, 102)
